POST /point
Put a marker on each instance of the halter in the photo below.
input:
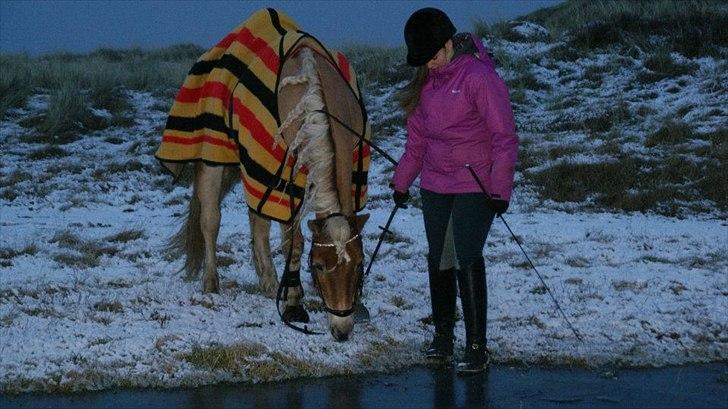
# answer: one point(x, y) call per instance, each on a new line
point(354, 237)
point(357, 235)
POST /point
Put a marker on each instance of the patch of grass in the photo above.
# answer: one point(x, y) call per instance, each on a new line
point(67, 111)
point(203, 301)
point(99, 341)
point(596, 120)
point(232, 358)
point(677, 287)
point(48, 152)
point(7, 253)
point(661, 65)
point(9, 194)
point(65, 168)
point(89, 252)
point(574, 281)
point(225, 261)
point(696, 28)
point(671, 133)
point(399, 302)
point(529, 156)
point(65, 238)
point(539, 290)
point(536, 322)
point(17, 176)
point(253, 289)
point(126, 236)
point(565, 52)
point(14, 86)
point(594, 73)
point(631, 184)
point(378, 353)
point(109, 306)
point(378, 66)
point(578, 262)
point(388, 125)
point(623, 285)
point(527, 80)
point(76, 260)
point(41, 312)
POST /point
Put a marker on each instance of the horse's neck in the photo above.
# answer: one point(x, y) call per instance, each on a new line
point(312, 139)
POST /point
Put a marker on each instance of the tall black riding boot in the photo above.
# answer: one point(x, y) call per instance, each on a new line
point(443, 292)
point(473, 295)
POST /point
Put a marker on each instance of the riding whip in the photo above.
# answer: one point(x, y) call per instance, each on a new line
point(485, 192)
point(385, 230)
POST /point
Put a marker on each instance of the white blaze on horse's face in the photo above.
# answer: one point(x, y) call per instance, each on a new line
point(337, 278)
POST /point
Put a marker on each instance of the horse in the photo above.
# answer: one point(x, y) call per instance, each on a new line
point(310, 93)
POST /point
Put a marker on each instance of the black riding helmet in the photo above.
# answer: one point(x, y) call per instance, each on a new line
point(425, 33)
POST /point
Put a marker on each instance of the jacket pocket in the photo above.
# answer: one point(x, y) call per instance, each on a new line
point(473, 155)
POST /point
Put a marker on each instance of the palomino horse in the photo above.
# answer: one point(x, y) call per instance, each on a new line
point(305, 94)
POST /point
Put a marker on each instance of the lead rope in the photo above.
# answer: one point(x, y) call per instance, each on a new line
point(485, 192)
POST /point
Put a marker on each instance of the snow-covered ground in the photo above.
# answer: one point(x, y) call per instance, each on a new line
point(89, 301)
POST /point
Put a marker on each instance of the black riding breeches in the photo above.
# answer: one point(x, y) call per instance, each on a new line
point(471, 221)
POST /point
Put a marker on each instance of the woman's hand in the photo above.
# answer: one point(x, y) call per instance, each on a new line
point(400, 198)
point(498, 206)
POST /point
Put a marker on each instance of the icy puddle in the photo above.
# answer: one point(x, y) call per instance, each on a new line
point(694, 386)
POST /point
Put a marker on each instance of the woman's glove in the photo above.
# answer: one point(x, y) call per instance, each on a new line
point(498, 206)
point(400, 198)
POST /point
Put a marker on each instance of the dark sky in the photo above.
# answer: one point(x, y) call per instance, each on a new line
point(39, 27)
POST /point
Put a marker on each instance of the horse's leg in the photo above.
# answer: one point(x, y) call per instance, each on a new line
point(294, 311)
point(262, 257)
point(208, 183)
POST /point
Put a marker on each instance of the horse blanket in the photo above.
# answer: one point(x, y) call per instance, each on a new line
point(226, 113)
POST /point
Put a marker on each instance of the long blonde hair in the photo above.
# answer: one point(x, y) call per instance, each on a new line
point(409, 97)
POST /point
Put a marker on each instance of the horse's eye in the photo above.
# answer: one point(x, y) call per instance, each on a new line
point(318, 266)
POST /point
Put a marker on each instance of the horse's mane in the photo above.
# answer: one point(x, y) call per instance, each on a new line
point(315, 150)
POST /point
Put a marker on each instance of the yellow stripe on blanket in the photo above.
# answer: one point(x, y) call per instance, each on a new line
point(227, 113)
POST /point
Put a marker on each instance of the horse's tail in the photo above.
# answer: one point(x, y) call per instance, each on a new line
point(188, 241)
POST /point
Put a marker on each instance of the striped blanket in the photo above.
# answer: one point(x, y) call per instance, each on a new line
point(226, 113)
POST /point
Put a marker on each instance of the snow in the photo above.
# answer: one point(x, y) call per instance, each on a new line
point(641, 289)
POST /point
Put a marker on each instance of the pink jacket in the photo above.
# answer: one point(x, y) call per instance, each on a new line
point(463, 117)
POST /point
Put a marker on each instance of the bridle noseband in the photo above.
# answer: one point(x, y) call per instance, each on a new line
point(357, 235)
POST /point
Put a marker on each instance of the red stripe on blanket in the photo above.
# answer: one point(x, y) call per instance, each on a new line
point(344, 65)
point(181, 140)
point(260, 48)
point(273, 198)
point(257, 130)
point(213, 89)
point(364, 150)
point(225, 42)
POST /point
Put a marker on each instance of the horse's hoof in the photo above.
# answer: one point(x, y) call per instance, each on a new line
point(295, 314)
point(211, 287)
point(361, 313)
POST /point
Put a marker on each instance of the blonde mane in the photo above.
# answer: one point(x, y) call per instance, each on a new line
point(314, 148)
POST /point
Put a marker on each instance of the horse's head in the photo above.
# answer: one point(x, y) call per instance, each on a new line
point(336, 264)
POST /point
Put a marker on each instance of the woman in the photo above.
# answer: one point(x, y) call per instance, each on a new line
point(459, 115)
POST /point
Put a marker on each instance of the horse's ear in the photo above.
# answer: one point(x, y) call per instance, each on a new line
point(361, 219)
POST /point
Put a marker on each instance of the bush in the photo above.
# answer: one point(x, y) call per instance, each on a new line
point(661, 65)
point(692, 28)
point(671, 133)
point(14, 85)
point(378, 66)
